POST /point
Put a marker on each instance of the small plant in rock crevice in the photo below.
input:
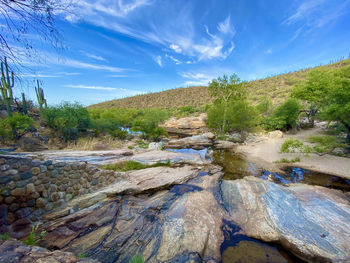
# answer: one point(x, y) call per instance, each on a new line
point(34, 237)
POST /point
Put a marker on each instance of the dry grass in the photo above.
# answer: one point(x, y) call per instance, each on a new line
point(276, 87)
point(91, 144)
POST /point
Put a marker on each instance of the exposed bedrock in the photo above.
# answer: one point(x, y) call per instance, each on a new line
point(312, 222)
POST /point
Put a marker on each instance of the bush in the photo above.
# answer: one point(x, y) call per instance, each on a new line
point(68, 119)
point(15, 126)
point(148, 123)
point(291, 145)
point(124, 166)
point(240, 116)
point(324, 143)
point(284, 117)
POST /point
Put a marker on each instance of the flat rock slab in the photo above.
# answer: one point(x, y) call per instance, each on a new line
point(136, 182)
point(182, 224)
point(152, 157)
point(312, 222)
point(93, 157)
point(13, 251)
point(197, 142)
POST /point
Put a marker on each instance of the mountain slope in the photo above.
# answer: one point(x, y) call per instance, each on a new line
point(276, 88)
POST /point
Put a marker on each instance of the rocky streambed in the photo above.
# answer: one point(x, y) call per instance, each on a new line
point(217, 209)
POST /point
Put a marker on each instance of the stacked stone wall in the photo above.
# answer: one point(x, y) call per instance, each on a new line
point(30, 188)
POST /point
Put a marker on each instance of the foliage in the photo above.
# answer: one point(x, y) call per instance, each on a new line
point(240, 116)
point(15, 126)
point(68, 119)
point(82, 255)
point(328, 90)
point(142, 144)
point(4, 236)
point(275, 87)
point(138, 258)
point(34, 237)
point(291, 145)
point(230, 110)
point(6, 85)
point(324, 143)
point(285, 160)
point(124, 166)
point(40, 96)
point(284, 117)
point(26, 18)
point(265, 106)
point(147, 122)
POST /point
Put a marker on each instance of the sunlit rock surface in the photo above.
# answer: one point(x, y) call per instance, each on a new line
point(180, 224)
point(313, 222)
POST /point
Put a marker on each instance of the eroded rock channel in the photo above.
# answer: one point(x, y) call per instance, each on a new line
point(195, 211)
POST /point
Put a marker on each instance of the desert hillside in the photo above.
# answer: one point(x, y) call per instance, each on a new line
point(275, 87)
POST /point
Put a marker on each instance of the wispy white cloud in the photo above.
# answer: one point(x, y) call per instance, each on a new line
point(89, 87)
point(313, 14)
point(174, 27)
point(195, 79)
point(177, 61)
point(176, 48)
point(37, 76)
point(79, 64)
point(158, 60)
point(89, 55)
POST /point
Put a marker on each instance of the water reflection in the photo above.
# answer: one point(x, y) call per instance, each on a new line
point(240, 248)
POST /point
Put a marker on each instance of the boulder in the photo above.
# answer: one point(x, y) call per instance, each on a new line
point(221, 145)
point(153, 157)
point(197, 142)
point(312, 222)
point(31, 144)
point(186, 126)
point(275, 134)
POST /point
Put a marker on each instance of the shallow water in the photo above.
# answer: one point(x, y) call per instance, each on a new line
point(203, 153)
point(240, 248)
point(236, 167)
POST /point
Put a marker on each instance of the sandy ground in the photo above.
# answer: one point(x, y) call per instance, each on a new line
point(266, 152)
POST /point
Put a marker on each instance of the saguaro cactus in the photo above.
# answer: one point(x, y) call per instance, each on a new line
point(24, 104)
point(7, 83)
point(40, 96)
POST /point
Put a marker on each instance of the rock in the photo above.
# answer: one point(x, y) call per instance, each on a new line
point(311, 221)
point(153, 157)
point(197, 142)
point(30, 188)
point(18, 192)
point(31, 144)
point(235, 137)
point(180, 225)
point(13, 251)
point(35, 170)
point(186, 126)
point(220, 145)
point(155, 146)
point(40, 203)
point(275, 134)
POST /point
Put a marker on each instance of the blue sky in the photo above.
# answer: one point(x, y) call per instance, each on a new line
point(119, 48)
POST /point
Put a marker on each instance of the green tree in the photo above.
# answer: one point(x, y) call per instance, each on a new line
point(284, 117)
point(328, 92)
point(226, 90)
point(313, 91)
point(68, 119)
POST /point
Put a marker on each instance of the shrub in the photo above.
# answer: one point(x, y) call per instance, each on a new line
point(15, 126)
point(240, 116)
point(138, 258)
point(285, 160)
point(284, 117)
point(124, 166)
point(68, 119)
point(148, 123)
point(324, 143)
point(291, 145)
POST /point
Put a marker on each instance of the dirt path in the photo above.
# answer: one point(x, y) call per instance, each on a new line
point(266, 153)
